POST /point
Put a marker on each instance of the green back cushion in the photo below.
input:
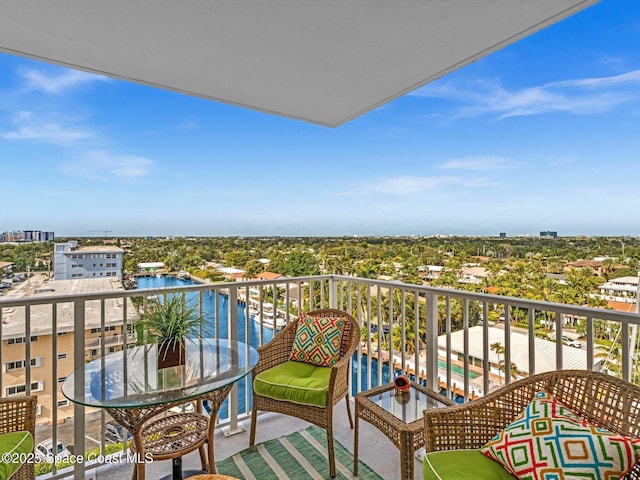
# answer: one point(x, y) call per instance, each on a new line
point(296, 382)
point(549, 441)
point(462, 465)
point(318, 340)
point(16, 444)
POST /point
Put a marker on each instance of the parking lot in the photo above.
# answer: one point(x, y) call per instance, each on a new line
point(93, 428)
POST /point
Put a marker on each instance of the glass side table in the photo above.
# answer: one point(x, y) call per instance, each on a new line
point(399, 417)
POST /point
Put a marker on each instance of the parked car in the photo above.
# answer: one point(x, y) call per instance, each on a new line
point(115, 433)
point(571, 342)
point(44, 451)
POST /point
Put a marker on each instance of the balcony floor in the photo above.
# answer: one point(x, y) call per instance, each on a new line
point(372, 444)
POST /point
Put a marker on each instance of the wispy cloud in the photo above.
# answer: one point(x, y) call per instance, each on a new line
point(98, 165)
point(408, 185)
point(481, 163)
point(581, 96)
point(27, 126)
point(54, 83)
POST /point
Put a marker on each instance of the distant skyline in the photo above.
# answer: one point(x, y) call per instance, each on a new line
point(542, 135)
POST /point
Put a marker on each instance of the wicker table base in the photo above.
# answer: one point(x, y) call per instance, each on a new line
point(378, 407)
point(173, 436)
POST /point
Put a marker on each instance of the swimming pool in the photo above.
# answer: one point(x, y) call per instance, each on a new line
point(457, 369)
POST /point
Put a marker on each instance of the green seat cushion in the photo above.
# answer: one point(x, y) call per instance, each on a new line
point(17, 445)
point(296, 382)
point(462, 465)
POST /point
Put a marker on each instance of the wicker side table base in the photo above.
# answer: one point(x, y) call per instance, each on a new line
point(173, 436)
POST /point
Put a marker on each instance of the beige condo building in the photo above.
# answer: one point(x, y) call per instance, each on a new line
point(52, 345)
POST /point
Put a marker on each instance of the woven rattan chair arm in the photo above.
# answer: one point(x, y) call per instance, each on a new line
point(18, 413)
point(464, 426)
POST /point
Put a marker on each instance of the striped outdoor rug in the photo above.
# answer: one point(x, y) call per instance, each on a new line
point(299, 456)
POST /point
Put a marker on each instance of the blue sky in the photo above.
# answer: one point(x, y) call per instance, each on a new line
point(542, 135)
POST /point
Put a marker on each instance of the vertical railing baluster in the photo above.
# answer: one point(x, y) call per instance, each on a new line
point(465, 321)
point(532, 342)
point(380, 335)
point(485, 350)
point(448, 333)
point(27, 348)
point(559, 362)
point(590, 344)
point(232, 328)
point(54, 373)
point(416, 336)
point(507, 346)
point(432, 341)
point(626, 364)
point(79, 326)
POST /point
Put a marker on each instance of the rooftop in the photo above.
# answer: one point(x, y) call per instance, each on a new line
point(99, 248)
point(545, 350)
point(41, 315)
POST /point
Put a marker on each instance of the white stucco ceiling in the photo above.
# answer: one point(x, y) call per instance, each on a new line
point(323, 61)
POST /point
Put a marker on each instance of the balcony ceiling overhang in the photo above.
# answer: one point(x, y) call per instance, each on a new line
point(325, 62)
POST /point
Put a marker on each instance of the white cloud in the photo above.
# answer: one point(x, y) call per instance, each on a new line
point(57, 83)
point(480, 163)
point(406, 185)
point(106, 166)
point(31, 127)
point(581, 97)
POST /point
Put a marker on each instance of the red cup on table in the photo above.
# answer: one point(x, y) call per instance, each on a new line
point(401, 384)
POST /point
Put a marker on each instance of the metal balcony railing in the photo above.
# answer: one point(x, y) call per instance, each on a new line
point(461, 343)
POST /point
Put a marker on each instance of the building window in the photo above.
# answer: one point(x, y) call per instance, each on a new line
point(16, 341)
point(76, 275)
point(111, 274)
point(21, 389)
point(62, 356)
point(18, 364)
point(111, 255)
point(63, 403)
point(61, 379)
point(77, 256)
point(112, 349)
point(94, 352)
point(76, 265)
point(60, 334)
point(111, 265)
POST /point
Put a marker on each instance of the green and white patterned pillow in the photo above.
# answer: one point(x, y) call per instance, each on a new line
point(318, 340)
point(549, 442)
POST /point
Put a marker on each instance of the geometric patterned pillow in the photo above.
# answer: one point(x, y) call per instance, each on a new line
point(318, 340)
point(549, 442)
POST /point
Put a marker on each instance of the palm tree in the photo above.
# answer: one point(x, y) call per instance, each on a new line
point(499, 349)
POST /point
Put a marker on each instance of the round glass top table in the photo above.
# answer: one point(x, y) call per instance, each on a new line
point(133, 390)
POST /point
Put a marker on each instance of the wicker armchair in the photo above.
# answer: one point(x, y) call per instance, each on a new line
point(278, 351)
point(19, 414)
point(602, 400)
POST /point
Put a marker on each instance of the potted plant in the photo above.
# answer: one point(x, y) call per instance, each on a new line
point(168, 323)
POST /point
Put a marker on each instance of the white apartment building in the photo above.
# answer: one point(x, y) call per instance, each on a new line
point(72, 262)
point(623, 289)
